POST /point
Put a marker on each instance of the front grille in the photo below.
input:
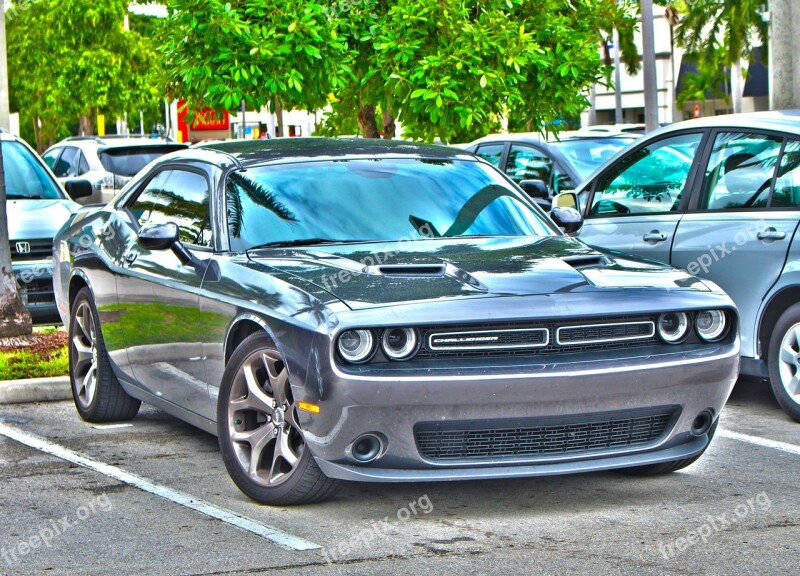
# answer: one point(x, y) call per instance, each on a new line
point(600, 333)
point(539, 338)
point(25, 250)
point(550, 436)
point(37, 291)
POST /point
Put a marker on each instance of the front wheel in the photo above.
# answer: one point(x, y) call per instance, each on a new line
point(260, 438)
point(784, 361)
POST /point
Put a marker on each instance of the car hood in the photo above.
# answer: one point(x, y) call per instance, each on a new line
point(37, 219)
point(379, 274)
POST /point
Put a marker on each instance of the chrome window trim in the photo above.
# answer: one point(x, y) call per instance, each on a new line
point(603, 340)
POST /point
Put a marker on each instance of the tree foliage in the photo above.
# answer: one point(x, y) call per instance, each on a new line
point(72, 58)
point(445, 68)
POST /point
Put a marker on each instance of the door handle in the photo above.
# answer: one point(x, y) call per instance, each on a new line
point(654, 236)
point(771, 234)
point(129, 257)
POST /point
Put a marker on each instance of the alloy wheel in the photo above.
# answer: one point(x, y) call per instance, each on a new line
point(85, 355)
point(262, 421)
point(789, 362)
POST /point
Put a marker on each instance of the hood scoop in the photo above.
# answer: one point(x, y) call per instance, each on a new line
point(589, 261)
point(413, 270)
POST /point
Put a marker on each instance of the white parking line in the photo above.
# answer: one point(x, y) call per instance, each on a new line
point(758, 441)
point(282, 539)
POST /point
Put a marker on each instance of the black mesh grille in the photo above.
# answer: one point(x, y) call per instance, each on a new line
point(489, 339)
point(543, 436)
point(425, 352)
point(37, 291)
point(597, 334)
point(38, 250)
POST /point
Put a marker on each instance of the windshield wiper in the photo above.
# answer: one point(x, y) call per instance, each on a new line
point(299, 242)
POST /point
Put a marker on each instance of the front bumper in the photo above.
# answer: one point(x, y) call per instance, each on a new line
point(392, 405)
point(35, 289)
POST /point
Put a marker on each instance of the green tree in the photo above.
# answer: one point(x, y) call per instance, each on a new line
point(735, 24)
point(70, 60)
point(445, 68)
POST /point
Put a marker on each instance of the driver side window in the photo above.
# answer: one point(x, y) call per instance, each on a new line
point(648, 181)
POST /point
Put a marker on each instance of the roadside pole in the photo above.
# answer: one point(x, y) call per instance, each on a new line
point(5, 122)
point(649, 68)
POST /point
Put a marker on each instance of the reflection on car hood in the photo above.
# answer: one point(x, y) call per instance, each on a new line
point(37, 219)
point(378, 274)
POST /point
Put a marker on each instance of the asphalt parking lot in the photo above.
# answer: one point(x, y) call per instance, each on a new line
point(156, 499)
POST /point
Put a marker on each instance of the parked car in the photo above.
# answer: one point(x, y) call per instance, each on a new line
point(719, 197)
point(36, 208)
point(383, 311)
point(108, 162)
point(544, 168)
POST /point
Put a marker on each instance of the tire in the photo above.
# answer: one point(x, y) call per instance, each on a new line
point(783, 359)
point(97, 393)
point(669, 467)
point(261, 441)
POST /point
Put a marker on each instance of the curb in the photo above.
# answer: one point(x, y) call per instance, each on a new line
point(35, 390)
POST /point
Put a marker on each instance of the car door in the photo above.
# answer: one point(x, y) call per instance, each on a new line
point(159, 295)
point(742, 219)
point(636, 204)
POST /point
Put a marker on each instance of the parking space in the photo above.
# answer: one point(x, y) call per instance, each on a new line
point(735, 511)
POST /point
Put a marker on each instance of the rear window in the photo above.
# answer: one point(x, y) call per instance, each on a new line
point(129, 160)
point(26, 177)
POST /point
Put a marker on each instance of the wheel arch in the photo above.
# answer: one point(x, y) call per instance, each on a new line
point(242, 327)
point(76, 284)
point(777, 305)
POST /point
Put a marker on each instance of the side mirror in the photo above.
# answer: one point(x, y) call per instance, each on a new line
point(535, 189)
point(566, 200)
point(568, 219)
point(159, 236)
point(79, 188)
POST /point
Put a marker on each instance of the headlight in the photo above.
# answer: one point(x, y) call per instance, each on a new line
point(711, 324)
point(673, 327)
point(356, 346)
point(399, 343)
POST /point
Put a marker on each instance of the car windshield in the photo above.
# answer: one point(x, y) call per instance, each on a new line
point(374, 200)
point(26, 178)
point(588, 154)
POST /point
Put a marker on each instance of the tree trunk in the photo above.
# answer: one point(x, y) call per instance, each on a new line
point(87, 124)
point(737, 86)
point(367, 122)
point(389, 127)
point(278, 120)
point(14, 317)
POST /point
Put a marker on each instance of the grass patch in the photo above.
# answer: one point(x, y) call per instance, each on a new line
point(42, 354)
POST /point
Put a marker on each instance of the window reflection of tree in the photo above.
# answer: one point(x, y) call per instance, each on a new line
point(238, 185)
point(192, 217)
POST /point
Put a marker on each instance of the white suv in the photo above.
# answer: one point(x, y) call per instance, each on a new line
point(108, 162)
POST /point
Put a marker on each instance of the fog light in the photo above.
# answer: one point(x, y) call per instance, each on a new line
point(711, 324)
point(399, 343)
point(673, 327)
point(356, 346)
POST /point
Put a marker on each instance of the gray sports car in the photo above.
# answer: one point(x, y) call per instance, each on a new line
point(382, 311)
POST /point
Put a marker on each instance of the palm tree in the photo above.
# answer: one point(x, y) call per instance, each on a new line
point(737, 24)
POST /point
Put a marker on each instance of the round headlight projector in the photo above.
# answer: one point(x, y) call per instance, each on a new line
point(673, 327)
point(356, 346)
point(399, 343)
point(711, 324)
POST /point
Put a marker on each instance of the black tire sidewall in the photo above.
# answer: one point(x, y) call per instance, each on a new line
point(788, 319)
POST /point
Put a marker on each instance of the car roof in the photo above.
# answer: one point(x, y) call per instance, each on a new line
point(782, 120)
point(92, 142)
point(254, 152)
